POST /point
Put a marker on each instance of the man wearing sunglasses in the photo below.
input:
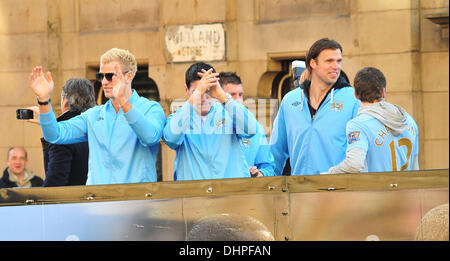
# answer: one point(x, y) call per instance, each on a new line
point(123, 134)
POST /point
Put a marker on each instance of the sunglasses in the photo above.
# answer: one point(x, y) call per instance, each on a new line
point(108, 76)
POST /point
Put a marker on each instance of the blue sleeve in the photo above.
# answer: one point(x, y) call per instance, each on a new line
point(244, 122)
point(278, 143)
point(70, 131)
point(356, 108)
point(176, 125)
point(148, 125)
point(416, 145)
point(356, 137)
point(264, 159)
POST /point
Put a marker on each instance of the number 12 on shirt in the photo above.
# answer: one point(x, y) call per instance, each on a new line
point(401, 142)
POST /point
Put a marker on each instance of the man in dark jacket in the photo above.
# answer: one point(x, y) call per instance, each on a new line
point(67, 164)
point(16, 174)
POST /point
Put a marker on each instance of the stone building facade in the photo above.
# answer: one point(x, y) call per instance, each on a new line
point(406, 39)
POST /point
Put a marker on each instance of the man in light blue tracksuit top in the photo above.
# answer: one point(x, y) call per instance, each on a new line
point(123, 134)
point(256, 149)
point(383, 137)
point(309, 128)
point(205, 133)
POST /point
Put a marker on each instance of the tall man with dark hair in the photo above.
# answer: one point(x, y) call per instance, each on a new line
point(310, 125)
point(205, 133)
point(256, 149)
point(123, 134)
point(383, 137)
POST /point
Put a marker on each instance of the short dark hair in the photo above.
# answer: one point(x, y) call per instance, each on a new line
point(79, 93)
point(344, 75)
point(369, 83)
point(318, 47)
point(191, 73)
point(229, 77)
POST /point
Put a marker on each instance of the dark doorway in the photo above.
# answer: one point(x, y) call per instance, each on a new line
point(281, 85)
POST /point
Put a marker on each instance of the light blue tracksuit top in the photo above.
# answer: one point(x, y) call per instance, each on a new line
point(122, 147)
point(385, 151)
point(257, 152)
point(208, 147)
point(312, 145)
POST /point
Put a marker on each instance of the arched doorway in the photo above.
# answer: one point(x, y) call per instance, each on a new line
point(280, 81)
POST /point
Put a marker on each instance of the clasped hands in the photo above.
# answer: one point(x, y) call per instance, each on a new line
point(209, 83)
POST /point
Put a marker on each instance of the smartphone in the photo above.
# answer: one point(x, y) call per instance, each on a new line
point(24, 114)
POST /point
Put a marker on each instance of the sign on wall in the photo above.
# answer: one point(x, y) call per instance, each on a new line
point(190, 43)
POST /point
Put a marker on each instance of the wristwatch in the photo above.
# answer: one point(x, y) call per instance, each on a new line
point(43, 103)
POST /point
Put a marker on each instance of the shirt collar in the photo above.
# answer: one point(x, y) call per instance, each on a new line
point(134, 97)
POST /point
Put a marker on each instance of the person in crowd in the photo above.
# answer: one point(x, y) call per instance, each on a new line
point(67, 164)
point(309, 128)
point(123, 134)
point(206, 133)
point(16, 173)
point(256, 149)
point(383, 137)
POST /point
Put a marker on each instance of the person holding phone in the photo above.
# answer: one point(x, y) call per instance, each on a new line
point(67, 164)
point(123, 134)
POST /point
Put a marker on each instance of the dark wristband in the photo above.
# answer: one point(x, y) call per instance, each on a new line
point(43, 103)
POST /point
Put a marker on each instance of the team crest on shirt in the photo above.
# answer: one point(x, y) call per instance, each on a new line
point(245, 142)
point(296, 103)
point(337, 106)
point(220, 123)
point(353, 137)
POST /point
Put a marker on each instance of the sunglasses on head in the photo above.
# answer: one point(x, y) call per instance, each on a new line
point(108, 76)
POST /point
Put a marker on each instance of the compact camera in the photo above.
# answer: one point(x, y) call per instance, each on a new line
point(24, 114)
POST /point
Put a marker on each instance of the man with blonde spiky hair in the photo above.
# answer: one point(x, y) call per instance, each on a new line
point(123, 134)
